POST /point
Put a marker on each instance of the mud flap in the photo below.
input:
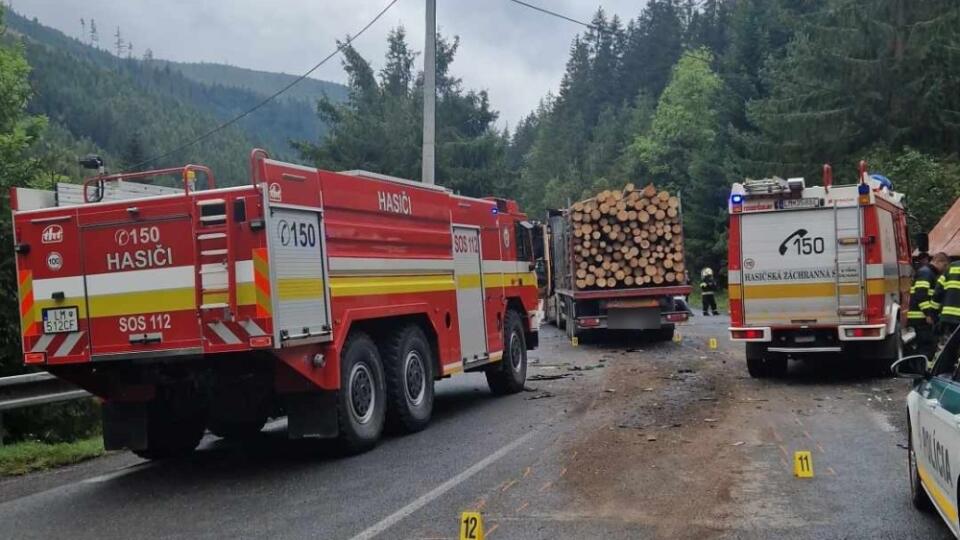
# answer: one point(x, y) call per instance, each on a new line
point(311, 414)
point(125, 425)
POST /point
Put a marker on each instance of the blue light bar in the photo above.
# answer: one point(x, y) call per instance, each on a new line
point(736, 198)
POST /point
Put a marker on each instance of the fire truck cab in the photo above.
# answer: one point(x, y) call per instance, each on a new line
point(818, 269)
point(336, 299)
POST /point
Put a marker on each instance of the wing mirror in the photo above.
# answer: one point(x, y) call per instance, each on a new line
point(910, 367)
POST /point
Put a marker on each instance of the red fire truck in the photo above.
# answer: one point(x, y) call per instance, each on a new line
point(336, 299)
point(818, 269)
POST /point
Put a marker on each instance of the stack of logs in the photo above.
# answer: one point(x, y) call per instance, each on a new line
point(629, 238)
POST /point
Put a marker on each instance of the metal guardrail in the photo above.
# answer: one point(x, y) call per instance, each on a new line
point(32, 389)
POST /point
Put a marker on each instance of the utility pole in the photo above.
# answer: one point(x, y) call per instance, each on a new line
point(430, 94)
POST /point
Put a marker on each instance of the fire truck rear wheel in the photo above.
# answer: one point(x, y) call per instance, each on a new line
point(509, 374)
point(890, 350)
point(408, 365)
point(762, 364)
point(362, 400)
point(171, 431)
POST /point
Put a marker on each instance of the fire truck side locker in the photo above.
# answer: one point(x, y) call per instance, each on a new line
point(299, 283)
point(467, 258)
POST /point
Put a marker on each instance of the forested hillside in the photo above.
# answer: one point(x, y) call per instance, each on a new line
point(261, 82)
point(698, 98)
point(130, 109)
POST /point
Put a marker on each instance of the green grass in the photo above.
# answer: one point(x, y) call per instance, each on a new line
point(721, 297)
point(23, 457)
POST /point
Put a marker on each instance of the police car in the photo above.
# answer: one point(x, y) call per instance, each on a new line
point(933, 407)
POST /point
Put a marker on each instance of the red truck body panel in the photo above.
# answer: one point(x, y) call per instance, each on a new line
point(197, 274)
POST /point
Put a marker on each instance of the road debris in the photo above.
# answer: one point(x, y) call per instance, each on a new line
point(541, 377)
point(541, 395)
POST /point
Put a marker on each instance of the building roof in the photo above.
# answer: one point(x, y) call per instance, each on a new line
point(945, 236)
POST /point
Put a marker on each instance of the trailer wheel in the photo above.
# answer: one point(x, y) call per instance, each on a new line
point(361, 402)
point(509, 374)
point(172, 431)
point(408, 366)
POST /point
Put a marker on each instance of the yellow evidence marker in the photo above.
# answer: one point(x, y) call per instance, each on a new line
point(471, 526)
point(575, 341)
point(677, 337)
point(802, 464)
point(712, 343)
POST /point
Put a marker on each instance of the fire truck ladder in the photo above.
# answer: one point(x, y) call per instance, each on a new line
point(214, 256)
point(848, 264)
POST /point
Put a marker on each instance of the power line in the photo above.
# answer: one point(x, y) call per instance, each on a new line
point(268, 99)
point(586, 25)
point(554, 14)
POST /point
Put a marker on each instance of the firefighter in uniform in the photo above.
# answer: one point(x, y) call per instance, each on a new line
point(946, 299)
point(708, 286)
point(922, 316)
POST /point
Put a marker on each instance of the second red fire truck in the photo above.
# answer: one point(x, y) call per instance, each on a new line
point(336, 299)
point(818, 269)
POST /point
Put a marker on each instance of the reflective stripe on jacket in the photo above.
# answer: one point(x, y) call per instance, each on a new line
point(946, 296)
point(921, 294)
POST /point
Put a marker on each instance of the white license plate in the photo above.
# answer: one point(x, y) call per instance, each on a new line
point(793, 204)
point(59, 320)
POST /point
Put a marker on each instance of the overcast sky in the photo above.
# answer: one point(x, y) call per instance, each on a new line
point(518, 55)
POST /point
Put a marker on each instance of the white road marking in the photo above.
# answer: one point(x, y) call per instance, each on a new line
point(436, 492)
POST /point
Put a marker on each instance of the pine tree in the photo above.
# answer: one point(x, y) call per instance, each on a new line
point(654, 44)
point(859, 73)
point(397, 74)
point(118, 43)
point(379, 127)
point(94, 37)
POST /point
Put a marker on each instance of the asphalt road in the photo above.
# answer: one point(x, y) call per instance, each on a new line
point(614, 439)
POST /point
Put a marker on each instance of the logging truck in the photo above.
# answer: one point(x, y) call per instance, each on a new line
point(818, 270)
point(616, 261)
point(334, 299)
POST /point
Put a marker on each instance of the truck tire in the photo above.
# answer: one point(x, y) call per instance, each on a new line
point(889, 352)
point(408, 366)
point(665, 333)
point(509, 374)
point(362, 400)
point(761, 364)
point(570, 320)
point(172, 431)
